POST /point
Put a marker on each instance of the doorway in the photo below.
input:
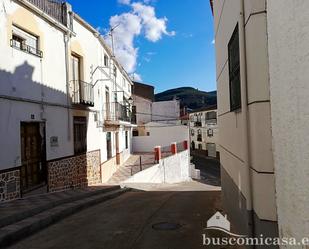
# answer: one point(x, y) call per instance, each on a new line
point(33, 155)
point(117, 148)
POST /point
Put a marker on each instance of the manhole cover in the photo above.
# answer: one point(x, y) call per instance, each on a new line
point(166, 226)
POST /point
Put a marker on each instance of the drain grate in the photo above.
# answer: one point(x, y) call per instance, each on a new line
point(165, 226)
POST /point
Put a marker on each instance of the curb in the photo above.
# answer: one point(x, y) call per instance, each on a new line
point(17, 231)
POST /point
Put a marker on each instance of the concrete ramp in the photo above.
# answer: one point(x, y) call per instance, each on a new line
point(172, 169)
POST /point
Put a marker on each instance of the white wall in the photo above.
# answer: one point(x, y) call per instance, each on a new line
point(160, 134)
point(165, 110)
point(288, 36)
point(172, 169)
point(26, 76)
point(142, 106)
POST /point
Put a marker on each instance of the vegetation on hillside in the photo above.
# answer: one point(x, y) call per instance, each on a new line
point(189, 96)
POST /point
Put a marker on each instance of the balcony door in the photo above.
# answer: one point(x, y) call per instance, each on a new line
point(75, 79)
point(107, 104)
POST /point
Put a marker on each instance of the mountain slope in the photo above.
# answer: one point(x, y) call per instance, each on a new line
point(189, 96)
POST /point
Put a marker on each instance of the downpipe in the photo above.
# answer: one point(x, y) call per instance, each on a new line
point(66, 47)
point(245, 113)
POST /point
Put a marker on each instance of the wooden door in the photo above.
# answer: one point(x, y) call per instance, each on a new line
point(117, 148)
point(33, 157)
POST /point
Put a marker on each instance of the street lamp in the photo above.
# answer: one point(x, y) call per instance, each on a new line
point(130, 100)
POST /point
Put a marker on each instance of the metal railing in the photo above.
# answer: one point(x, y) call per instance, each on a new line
point(81, 92)
point(197, 123)
point(57, 9)
point(115, 111)
point(26, 48)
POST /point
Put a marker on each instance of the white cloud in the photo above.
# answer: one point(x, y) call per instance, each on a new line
point(213, 41)
point(141, 20)
point(154, 27)
point(136, 77)
point(127, 2)
point(129, 26)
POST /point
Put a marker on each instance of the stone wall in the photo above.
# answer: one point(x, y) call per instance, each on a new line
point(10, 185)
point(74, 172)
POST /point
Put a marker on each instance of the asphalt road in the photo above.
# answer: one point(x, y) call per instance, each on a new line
point(209, 168)
point(127, 222)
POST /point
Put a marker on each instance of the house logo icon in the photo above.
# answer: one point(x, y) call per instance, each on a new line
point(221, 223)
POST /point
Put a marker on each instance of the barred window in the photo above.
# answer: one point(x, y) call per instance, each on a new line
point(234, 71)
point(25, 41)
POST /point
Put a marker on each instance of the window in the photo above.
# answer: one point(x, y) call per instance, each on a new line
point(210, 132)
point(105, 60)
point(123, 82)
point(148, 133)
point(25, 41)
point(80, 135)
point(192, 132)
point(109, 145)
point(211, 117)
point(127, 139)
point(135, 133)
point(115, 71)
point(133, 120)
point(199, 135)
point(129, 87)
point(234, 71)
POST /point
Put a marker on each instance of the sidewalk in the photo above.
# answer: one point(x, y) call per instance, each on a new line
point(25, 216)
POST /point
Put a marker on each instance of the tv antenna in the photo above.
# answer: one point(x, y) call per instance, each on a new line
point(111, 33)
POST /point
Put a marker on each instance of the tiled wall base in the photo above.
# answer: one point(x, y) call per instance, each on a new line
point(74, 172)
point(10, 185)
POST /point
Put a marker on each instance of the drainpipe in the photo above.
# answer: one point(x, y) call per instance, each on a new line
point(66, 47)
point(245, 112)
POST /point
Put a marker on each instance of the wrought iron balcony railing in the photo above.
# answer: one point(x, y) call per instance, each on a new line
point(81, 92)
point(198, 124)
point(26, 48)
point(115, 111)
point(57, 9)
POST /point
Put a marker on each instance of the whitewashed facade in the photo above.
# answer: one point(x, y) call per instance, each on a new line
point(62, 93)
point(262, 80)
point(204, 132)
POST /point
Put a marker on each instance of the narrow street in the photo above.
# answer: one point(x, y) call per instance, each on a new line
point(209, 168)
point(127, 222)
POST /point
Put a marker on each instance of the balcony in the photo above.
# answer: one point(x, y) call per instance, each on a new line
point(56, 9)
point(197, 124)
point(116, 112)
point(81, 93)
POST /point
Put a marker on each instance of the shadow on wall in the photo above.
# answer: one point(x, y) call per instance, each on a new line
point(28, 109)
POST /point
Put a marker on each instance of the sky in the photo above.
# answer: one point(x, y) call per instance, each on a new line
point(165, 43)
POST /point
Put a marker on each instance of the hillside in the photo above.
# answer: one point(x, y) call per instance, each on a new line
point(189, 96)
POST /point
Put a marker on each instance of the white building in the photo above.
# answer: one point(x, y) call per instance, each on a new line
point(204, 132)
point(63, 99)
point(166, 111)
point(262, 80)
point(160, 134)
point(146, 110)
